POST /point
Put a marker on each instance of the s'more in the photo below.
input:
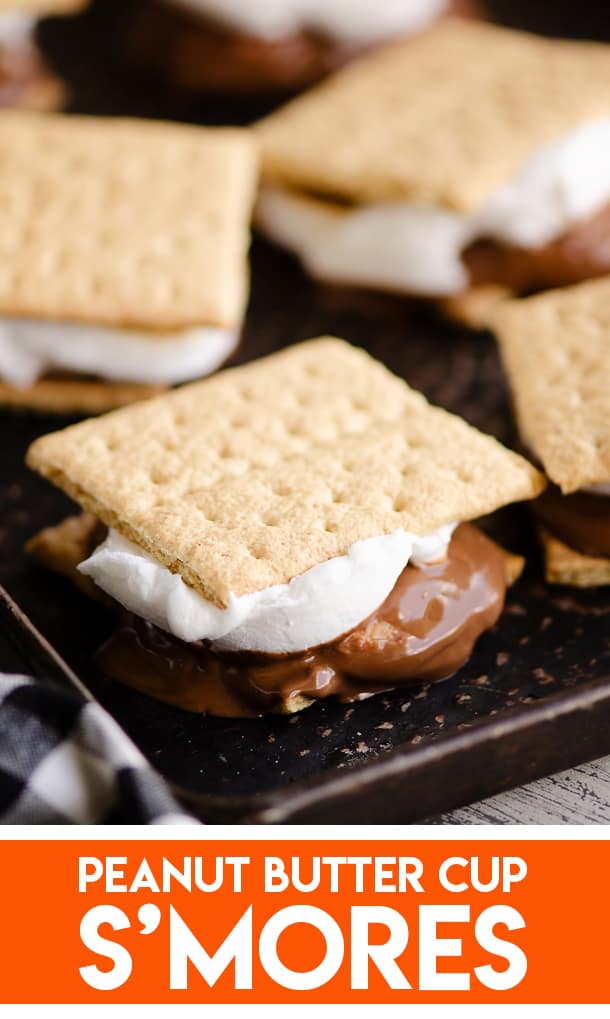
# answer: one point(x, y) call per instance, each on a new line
point(25, 79)
point(124, 251)
point(556, 349)
point(471, 163)
point(273, 46)
point(290, 530)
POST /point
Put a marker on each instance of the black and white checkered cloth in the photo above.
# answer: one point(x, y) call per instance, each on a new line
point(64, 760)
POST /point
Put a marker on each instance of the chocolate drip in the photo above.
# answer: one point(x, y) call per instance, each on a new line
point(581, 520)
point(425, 630)
point(582, 253)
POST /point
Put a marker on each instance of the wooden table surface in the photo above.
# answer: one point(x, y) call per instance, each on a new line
point(578, 796)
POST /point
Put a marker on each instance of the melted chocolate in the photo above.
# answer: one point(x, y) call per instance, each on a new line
point(581, 520)
point(580, 254)
point(425, 630)
point(198, 53)
point(21, 67)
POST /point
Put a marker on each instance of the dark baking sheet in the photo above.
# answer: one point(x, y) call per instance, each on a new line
point(532, 699)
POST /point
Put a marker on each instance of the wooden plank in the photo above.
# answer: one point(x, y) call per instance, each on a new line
point(578, 796)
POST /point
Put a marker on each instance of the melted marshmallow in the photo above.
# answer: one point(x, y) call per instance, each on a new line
point(349, 21)
point(418, 249)
point(29, 349)
point(313, 609)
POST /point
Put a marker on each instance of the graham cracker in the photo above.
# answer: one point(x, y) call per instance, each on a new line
point(476, 307)
point(445, 118)
point(61, 548)
point(43, 7)
point(564, 565)
point(556, 349)
point(515, 565)
point(128, 223)
point(254, 476)
point(73, 396)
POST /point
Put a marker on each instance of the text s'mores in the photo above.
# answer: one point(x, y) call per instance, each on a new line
point(286, 531)
point(25, 79)
point(473, 157)
point(124, 252)
point(241, 46)
point(556, 349)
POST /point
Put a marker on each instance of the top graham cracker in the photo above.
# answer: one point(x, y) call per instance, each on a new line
point(446, 118)
point(43, 7)
point(250, 478)
point(556, 349)
point(124, 223)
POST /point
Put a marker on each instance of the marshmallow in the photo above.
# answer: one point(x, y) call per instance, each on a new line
point(418, 249)
point(29, 349)
point(348, 21)
point(313, 609)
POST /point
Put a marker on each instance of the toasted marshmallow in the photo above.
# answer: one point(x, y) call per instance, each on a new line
point(313, 609)
point(418, 249)
point(29, 349)
point(349, 21)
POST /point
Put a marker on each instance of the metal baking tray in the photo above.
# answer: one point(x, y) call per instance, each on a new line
point(535, 696)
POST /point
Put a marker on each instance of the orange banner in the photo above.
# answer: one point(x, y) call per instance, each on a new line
point(345, 921)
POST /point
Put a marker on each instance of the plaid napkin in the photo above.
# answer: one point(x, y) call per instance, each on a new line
point(64, 760)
